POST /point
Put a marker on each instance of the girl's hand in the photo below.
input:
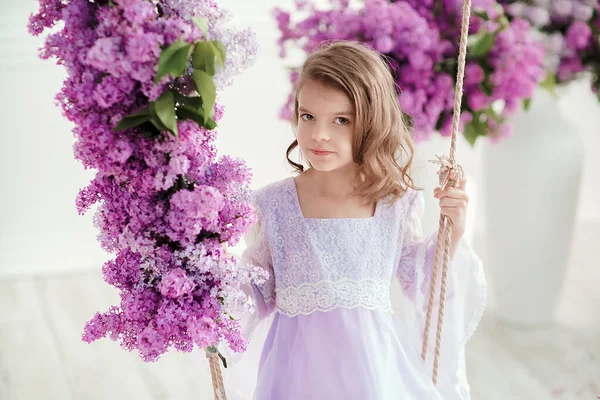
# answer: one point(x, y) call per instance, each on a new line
point(453, 204)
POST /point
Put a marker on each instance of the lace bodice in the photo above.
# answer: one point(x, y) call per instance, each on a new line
point(320, 264)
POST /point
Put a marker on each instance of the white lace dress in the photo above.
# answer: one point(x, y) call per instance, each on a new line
point(332, 330)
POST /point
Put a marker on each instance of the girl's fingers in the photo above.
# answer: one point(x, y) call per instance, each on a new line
point(453, 193)
point(452, 211)
point(452, 203)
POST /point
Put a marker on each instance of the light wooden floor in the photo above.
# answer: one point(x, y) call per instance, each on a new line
point(42, 356)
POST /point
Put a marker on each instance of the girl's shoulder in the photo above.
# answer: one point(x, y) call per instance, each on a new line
point(408, 200)
point(412, 203)
point(276, 190)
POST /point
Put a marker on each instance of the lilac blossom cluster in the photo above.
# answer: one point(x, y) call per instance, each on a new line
point(570, 30)
point(420, 41)
point(167, 204)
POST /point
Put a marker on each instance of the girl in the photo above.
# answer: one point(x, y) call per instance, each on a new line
point(336, 237)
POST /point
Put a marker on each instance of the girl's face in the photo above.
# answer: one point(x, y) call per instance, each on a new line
point(325, 126)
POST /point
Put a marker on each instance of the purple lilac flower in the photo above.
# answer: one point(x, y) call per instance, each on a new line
point(569, 29)
point(421, 38)
point(579, 35)
point(166, 205)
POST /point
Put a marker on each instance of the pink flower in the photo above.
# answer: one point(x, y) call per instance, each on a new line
point(175, 284)
point(578, 35)
point(473, 74)
point(478, 100)
point(201, 330)
point(384, 44)
point(569, 67)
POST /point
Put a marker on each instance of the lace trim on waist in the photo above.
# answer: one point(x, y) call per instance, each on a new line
point(328, 295)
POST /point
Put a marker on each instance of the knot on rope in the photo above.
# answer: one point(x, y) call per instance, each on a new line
point(213, 352)
point(449, 172)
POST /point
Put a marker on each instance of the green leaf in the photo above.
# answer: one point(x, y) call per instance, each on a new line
point(471, 133)
point(486, 86)
point(155, 119)
point(205, 54)
point(223, 359)
point(169, 51)
point(202, 24)
point(481, 13)
point(482, 43)
point(494, 115)
point(526, 104)
point(210, 124)
point(143, 111)
point(165, 111)
point(133, 120)
point(173, 60)
point(184, 113)
point(207, 90)
point(192, 103)
point(150, 133)
point(203, 57)
point(549, 83)
point(221, 52)
point(504, 22)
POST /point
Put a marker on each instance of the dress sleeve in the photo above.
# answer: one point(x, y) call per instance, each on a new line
point(258, 254)
point(466, 295)
point(241, 374)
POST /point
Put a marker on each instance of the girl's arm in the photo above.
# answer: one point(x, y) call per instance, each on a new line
point(466, 294)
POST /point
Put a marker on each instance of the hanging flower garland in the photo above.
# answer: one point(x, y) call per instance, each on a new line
point(141, 89)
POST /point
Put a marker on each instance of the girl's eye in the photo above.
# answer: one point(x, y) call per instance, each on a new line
point(342, 120)
point(306, 117)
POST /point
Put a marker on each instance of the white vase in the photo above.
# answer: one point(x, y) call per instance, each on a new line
point(531, 189)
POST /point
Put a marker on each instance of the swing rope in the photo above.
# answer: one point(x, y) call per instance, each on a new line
point(214, 358)
point(449, 174)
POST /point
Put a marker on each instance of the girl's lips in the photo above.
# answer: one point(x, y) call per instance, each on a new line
point(321, 152)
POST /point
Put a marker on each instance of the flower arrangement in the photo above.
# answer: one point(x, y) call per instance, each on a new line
point(141, 89)
point(571, 32)
point(420, 41)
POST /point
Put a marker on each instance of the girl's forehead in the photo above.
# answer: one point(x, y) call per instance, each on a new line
point(317, 97)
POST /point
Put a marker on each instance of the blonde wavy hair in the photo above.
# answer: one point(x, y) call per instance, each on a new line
point(383, 148)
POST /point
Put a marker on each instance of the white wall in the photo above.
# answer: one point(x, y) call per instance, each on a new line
point(40, 230)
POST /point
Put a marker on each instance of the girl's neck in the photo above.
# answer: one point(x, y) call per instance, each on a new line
point(332, 184)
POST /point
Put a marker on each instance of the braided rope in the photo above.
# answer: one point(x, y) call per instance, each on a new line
point(215, 372)
point(449, 174)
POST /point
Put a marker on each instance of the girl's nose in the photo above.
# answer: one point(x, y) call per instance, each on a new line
point(320, 133)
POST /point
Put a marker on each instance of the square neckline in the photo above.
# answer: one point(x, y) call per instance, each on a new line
point(300, 213)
